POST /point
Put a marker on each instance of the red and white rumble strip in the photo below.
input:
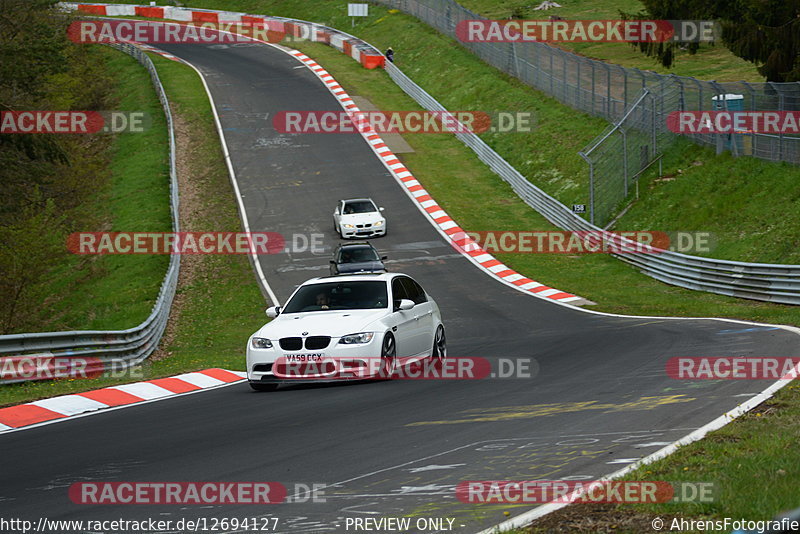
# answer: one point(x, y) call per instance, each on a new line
point(66, 406)
point(457, 236)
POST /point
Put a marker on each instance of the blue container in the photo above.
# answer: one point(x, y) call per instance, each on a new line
point(733, 142)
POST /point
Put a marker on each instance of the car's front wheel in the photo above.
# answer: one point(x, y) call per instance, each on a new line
point(439, 351)
point(388, 356)
point(260, 386)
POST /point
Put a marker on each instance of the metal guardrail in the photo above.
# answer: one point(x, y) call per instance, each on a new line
point(125, 348)
point(96, 351)
point(606, 90)
point(757, 281)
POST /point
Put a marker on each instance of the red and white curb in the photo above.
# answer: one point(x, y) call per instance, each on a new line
point(446, 226)
point(456, 236)
point(153, 49)
point(66, 406)
point(357, 49)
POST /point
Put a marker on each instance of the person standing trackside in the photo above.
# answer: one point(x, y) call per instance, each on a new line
point(390, 54)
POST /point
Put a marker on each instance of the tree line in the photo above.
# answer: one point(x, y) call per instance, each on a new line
point(763, 32)
point(46, 179)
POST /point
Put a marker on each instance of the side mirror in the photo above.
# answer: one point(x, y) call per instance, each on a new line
point(273, 311)
point(381, 208)
point(406, 304)
point(384, 257)
point(332, 262)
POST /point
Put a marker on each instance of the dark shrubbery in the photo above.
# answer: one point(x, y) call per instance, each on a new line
point(45, 178)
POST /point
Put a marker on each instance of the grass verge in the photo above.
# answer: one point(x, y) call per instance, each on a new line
point(218, 304)
point(461, 184)
point(753, 465)
point(698, 192)
point(710, 62)
point(764, 440)
point(113, 292)
point(740, 459)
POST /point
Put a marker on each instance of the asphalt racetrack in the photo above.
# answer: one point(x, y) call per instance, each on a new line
point(598, 400)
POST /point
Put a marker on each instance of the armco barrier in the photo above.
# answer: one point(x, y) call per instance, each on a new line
point(757, 281)
point(366, 54)
point(100, 350)
point(622, 153)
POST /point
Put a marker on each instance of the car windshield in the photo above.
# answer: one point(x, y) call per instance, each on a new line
point(358, 255)
point(359, 206)
point(355, 295)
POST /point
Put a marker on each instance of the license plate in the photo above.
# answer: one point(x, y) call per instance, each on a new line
point(303, 358)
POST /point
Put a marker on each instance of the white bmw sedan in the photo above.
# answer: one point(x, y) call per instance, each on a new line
point(347, 326)
point(358, 217)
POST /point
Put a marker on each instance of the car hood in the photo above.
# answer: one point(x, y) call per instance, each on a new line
point(361, 218)
point(361, 266)
point(322, 323)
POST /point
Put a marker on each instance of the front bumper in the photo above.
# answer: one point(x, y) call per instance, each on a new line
point(335, 363)
point(363, 232)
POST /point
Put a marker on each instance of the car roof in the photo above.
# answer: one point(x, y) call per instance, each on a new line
point(353, 277)
point(356, 244)
point(357, 200)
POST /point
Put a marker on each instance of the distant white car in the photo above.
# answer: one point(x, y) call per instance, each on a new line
point(373, 322)
point(358, 217)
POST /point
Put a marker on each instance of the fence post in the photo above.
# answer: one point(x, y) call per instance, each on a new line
point(625, 158)
point(592, 64)
point(653, 123)
point(624, 90)
point(591, 185)
point(780, 108)
point(514, 60)
point(564, 83)
point(608, 91)
point(682, 98)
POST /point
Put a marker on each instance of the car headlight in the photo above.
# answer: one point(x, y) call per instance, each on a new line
point(355, 339)
point(380, 223)
point(261, 343)
point(348, 226)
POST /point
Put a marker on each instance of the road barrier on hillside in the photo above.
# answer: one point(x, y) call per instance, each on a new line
point(25, 357)
point(278, 27)
point(757, 281)
point(100, 351)
point(77, 354)
point(615, 158)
